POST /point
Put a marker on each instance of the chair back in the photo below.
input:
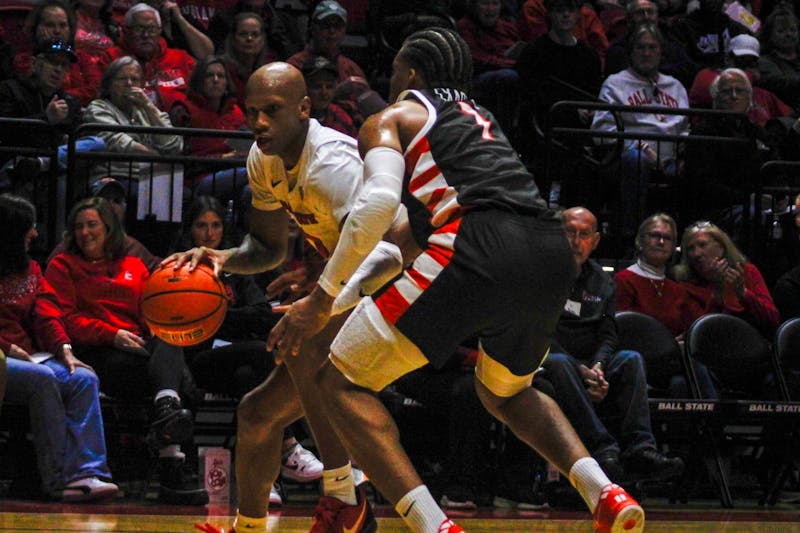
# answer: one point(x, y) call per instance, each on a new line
point(787, 355)
point(654, 341)
point(734, 350)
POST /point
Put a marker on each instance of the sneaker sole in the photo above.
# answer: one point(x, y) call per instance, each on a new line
point(629, 520)
point(299, 478)
point(447, 503)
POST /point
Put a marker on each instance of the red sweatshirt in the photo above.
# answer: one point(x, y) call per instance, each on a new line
point(665, 300)
point(170, 68)
point(756, 308)
point(29, 313)
point(100, 298)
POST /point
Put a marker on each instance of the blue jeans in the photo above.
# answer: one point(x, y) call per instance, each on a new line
point(65, 419)
point(223, 184)
point(624, 413)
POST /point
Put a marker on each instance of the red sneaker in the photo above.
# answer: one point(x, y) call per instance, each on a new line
point(448, 526)
point(334, 516)
point(617, 512)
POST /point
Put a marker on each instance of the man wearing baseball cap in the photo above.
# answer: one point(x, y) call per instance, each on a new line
point(40, 96)
point(320, 75)
point(743, 53)
point(116, 195)
point(328, 28)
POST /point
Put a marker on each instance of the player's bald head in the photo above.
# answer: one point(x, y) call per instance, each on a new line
point(277, 78)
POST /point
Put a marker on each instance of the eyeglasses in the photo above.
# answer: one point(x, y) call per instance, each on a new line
point(658, 236)
point(583, 235)
point(645, 11)
point(145, 30)
point(56, 62)
point(733, 91)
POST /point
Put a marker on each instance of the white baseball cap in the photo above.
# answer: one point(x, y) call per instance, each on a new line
point(745, 45)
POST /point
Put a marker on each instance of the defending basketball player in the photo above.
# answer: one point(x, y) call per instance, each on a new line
point(494, 263)
point(301, 169)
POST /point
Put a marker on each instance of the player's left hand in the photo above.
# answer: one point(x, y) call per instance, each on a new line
point(303, 319)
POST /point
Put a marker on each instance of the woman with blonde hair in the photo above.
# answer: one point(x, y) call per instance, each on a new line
point(718, 278)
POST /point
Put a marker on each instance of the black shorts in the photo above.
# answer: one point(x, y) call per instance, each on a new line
point(492, 274)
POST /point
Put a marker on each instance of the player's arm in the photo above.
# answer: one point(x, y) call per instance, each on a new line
point(264, 247)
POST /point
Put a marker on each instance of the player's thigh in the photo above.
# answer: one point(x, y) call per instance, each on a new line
point(372, 353)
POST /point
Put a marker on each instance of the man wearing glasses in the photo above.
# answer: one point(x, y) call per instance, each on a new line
point(166, 70)
point(592, 381)
point(40, 96)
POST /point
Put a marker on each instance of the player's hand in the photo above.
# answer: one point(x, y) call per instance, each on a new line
point(195, 256)
point(295, 282)
point(303, 319)
point(596, 384)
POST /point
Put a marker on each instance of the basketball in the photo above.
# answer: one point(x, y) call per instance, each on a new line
point(184, 308)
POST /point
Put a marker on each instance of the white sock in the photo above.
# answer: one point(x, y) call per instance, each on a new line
point(166, 392)
point(245, 523)
point(587, 476)
point(419, 511)
point(338, 483)
point(171, 450)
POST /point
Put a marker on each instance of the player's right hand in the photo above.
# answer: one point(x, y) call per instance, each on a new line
point(215, 258)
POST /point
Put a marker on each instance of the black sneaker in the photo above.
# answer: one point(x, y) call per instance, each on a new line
point(179, 484)
point(458, 497)
point(609, 462)
point(652, 464)
point(519, 497)
point(171, 423)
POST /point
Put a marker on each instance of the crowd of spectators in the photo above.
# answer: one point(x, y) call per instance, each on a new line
point(186, 63)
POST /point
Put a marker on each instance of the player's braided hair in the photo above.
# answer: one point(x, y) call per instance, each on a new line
point(441, 56)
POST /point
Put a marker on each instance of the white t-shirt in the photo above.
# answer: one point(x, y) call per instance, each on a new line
point(318, 192)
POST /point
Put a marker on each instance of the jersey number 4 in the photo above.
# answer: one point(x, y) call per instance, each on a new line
point(482, 121)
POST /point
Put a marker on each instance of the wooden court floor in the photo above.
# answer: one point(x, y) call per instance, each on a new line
point(33, 517)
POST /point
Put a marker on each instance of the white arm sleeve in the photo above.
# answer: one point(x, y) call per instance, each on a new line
point(382, 264)
point(369, 218)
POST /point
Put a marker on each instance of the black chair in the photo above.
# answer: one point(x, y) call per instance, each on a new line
point(676, 422)
point(787, 355)
point(755, 414)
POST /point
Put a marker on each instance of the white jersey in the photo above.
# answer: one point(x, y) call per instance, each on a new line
point(625, 88)
point(318, 192)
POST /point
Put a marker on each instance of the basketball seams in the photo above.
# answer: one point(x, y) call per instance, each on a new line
point(166, 294)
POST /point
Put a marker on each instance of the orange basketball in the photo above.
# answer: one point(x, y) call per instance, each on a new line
point(184, 308)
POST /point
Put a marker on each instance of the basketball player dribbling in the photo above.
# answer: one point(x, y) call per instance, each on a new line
point(297, 168)
point(494, 262)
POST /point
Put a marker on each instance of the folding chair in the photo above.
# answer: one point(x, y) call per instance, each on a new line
point(663, 358)
point(754, 411)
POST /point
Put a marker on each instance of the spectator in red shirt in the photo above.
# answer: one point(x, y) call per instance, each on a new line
point(60, 391)
point(245, 50)
point(166, 70)
point(328, 28)
point(211, 104)
point(97, 31)
point(53, 20)
point(743, 54)
point(494, 44)
point(533, 23)
point(320, 75)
